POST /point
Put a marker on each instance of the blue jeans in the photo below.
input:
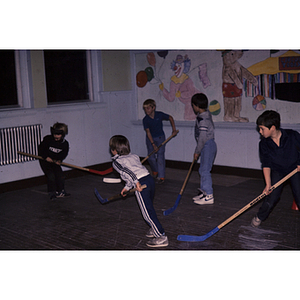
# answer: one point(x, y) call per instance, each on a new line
point(207, 159)
point(157, 160)
point(272, 199)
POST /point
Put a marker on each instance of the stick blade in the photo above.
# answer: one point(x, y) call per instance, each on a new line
point(197, 238)
point(109, 170)
point(99, 197)
point(170, 210)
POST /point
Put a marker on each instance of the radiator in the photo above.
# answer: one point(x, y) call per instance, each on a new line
point(22, 138)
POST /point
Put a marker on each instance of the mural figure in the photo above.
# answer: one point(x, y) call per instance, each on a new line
point(232, 75)
point(181, 85)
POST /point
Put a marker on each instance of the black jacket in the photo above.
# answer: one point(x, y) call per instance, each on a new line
point(284, 158)
point(53, 149)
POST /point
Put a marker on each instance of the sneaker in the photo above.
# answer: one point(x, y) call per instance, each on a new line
point(62, 194)
point(52, 195)
point(208, 199)
point(255, 222)
point(154, 174)
point(200, 195)
point(150, 233)
point(159, 180)
point(161, 241)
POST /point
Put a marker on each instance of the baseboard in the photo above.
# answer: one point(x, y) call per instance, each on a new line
point(224, 170)
point(40, 180)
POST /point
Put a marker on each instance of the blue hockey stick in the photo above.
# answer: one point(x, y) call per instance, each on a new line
point(114, 197)
point(170, 210)
point(200, 238)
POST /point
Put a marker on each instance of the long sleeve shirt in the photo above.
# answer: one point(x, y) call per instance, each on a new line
point(130, 169)
point(57, 150)
point(204, 130)
point(283, 158)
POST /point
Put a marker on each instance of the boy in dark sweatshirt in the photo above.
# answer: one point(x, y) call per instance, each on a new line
point(54, 149)
point(279, 151)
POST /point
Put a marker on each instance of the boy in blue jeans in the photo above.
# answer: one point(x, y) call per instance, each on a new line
point(134, 174)
point(206, 148)
point(155, 135)
point(279, 151)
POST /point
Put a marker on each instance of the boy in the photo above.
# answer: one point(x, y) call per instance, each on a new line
point(155, 135)
point(54, 149)
point(206, 148)
point(279, 154)
point(135, 175)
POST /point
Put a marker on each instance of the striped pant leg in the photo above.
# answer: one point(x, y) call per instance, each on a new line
point(145, 201)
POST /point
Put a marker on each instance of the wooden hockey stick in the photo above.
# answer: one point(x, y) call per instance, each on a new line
point(170, 210)
point(116, 196)
point(164, 142)
point(197, 238)
point(109, 170)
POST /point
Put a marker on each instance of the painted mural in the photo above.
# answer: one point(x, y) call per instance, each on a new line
point(239, 83)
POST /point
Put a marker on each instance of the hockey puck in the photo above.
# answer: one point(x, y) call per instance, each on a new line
point(111, 180)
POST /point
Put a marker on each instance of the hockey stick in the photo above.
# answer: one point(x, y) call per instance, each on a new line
point(116, 196)
point(197, 238)
point(164, 142)
point(170, 210)
point(109, 170)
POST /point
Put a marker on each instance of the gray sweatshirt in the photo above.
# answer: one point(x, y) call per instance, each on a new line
point(204, 130)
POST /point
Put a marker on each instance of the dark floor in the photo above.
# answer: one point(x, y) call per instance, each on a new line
point(30, 221)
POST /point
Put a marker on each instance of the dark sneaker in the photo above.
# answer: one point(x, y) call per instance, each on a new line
point(52, 195)
point(62, 194)
point(255, 222)
point(161, 241)
point(159, 180)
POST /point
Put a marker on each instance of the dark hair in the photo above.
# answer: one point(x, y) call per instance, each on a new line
point(268, 119)
point(119, 143)
point(200, 100)
point(59, 128)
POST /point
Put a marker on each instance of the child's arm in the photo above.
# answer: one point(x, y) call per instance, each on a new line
point(267, 176)
point(173, 125)
point(150, 138)
point(138, 188)
point(196, 156)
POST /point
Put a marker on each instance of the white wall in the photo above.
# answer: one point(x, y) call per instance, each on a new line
point(92, 124)
point(89, 131)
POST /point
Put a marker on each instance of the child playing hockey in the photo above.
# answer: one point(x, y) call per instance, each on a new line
point(54, 149)
point(279, 151)
point(135, 175)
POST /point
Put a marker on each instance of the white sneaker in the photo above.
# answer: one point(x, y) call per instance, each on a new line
point(161, 241)
point(150, 233)
point(208, 199)
point(255, 222)
point(201, 195)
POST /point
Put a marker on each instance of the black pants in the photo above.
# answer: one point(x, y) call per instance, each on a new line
point(272, 199)
point(55, 176)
